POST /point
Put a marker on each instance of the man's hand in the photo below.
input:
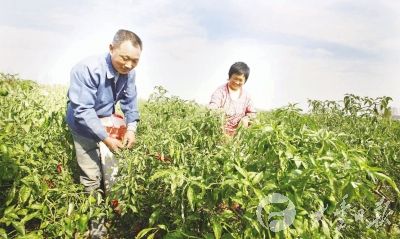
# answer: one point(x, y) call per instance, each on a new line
point(129, 139)
point(113, 144)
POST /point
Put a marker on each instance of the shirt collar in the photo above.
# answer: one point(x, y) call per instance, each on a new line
point(111, 72)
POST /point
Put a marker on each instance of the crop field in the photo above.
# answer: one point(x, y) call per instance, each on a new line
point(331, 172)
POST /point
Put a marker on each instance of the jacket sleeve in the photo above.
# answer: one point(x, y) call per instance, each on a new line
point(82, 96)
point(128, 102)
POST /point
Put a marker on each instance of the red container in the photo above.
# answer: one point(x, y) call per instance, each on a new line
point(115, 126)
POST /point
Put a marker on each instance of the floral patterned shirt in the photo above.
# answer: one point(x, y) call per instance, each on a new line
point(235, 109)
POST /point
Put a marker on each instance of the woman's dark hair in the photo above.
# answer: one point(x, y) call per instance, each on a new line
point(239, 68)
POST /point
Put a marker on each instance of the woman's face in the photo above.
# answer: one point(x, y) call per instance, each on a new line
point(236, 81)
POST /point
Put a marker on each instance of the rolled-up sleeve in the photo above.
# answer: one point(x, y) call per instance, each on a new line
point(128, 102)
point(82, 96)
point(250, 110)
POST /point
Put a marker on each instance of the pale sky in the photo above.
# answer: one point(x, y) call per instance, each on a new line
point(296, 50)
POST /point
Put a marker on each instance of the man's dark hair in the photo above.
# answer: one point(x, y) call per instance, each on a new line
point(125, 35)
point(239, 68)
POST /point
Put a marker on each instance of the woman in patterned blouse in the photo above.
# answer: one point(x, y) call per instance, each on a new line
point(233, 99)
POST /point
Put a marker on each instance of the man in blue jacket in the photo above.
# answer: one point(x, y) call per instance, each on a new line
point(97, 84)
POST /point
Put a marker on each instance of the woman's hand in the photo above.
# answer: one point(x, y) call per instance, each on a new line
point(245, 121)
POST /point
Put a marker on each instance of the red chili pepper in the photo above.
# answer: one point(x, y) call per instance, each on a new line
point(163, 158)
point(160, 157)
point(114, 203)
point(50, 183)
point(59, 167)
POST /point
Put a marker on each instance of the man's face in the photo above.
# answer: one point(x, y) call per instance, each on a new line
point(124, 57)
point(236, 81)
